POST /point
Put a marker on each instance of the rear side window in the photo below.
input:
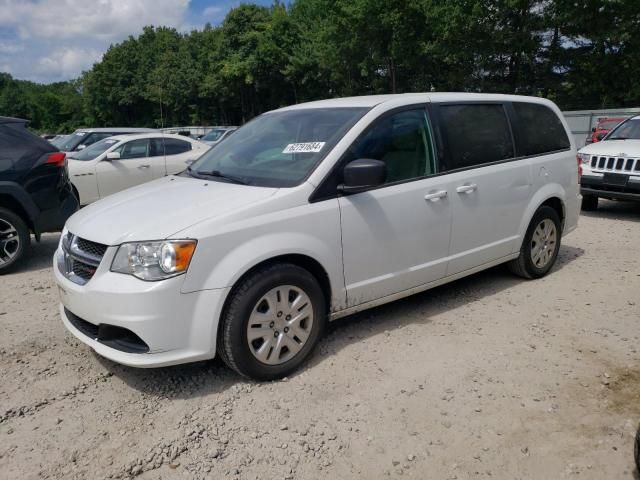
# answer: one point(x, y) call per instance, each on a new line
point(173, 146)
point(541, 129)
point(476, 134)
point(134, 149)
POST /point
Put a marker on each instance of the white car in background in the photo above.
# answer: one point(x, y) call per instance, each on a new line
point(217, 134)
point(124, 161)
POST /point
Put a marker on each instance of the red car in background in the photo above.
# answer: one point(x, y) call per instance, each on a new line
point(604, 126)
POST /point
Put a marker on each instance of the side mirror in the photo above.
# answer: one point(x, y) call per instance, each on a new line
point(81, 147)
point(113, 156)
point(362, 174)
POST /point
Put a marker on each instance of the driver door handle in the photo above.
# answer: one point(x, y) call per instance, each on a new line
point(142, 167)
point(435, 196)
point(468, 188)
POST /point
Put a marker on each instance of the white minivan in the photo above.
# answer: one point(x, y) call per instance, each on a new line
point(313, 212)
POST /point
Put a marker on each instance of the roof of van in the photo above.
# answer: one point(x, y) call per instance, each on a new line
point(370, 101)
point(116, 130)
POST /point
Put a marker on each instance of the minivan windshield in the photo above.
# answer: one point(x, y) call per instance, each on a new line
point(277, 149)
point(214, 135)
point(629, 130)
point(72, 141)
point(95, 150)
point(57, 142)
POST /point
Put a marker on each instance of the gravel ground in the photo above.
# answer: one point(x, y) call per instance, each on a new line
point(488, 377)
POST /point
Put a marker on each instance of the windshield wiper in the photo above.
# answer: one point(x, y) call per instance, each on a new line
point(618, 138)
point(218, 174)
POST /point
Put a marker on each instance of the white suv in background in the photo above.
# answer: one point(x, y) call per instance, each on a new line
point(611, 168)
point(84, 137)
point(313, 212)
point(123, 161)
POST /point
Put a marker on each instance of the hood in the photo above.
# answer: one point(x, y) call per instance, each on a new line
point(613, 148)
point(158, 209)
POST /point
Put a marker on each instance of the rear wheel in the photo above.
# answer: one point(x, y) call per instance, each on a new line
point(14, 239)
point(540, 246)
point(589, 203)
point(272, 323)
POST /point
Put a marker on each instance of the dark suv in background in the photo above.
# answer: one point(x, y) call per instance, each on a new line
point(35, 192)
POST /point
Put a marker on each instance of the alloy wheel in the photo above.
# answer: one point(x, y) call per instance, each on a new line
point(543, 243)
point(9, 242)
point(280, 324)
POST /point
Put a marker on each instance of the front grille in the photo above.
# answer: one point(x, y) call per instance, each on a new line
point(83, 270)
point(80, 258)
point(92, 248)
point(615, 164)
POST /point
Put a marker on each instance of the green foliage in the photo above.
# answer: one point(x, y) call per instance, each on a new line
point(580, 53)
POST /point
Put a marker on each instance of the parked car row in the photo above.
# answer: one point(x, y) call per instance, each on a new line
point(123, 161)
point(43, 182)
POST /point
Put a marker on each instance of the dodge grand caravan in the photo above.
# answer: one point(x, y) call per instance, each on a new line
point(313, 212)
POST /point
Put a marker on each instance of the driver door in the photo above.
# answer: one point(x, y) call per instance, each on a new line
point(396, 236)
point(131, 169)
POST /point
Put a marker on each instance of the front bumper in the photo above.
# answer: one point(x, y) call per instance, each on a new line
point(175, 327)
point(613, 186)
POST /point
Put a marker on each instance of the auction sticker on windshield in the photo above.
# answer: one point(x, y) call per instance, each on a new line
point(308, 147)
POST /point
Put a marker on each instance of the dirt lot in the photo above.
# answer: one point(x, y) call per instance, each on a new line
point(488, 377)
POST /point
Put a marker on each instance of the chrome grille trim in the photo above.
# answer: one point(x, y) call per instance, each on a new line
point(80, 258)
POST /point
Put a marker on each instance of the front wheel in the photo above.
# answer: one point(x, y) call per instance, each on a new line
point(272, 323)
point(540, 246)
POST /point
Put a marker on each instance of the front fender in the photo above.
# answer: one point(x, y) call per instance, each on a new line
point(312, 230)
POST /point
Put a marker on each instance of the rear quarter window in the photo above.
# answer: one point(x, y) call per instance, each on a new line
point(540, 128)
point(173, 146)
point(476, 134)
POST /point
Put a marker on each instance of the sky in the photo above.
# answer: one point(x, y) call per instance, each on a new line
point(53, 40)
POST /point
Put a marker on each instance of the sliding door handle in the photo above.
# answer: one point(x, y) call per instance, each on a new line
point(435, 196)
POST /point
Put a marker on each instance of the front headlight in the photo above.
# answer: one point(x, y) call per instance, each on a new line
point(154, 260)
point(584, 157)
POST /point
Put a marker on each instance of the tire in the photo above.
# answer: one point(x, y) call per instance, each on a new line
point(256, 309)
point(589, 203)
point(14, 240)
point(528, 264)
point(636, 450)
